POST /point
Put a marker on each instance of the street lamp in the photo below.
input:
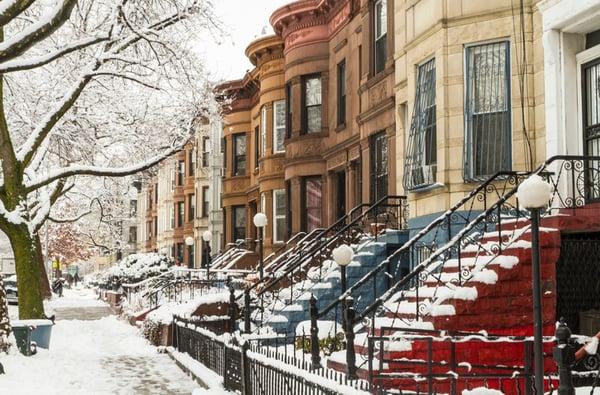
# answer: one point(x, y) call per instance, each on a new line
point(342, 255)
point(207, 237)
point(260, 221)
point(189, 241)
point(534, 194)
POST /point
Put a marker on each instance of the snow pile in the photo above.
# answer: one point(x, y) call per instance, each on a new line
point(327, 329)
point(482, 391)
point(164, 314)
point(136, 267)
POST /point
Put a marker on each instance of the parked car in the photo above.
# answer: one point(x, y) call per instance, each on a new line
point(10, 285)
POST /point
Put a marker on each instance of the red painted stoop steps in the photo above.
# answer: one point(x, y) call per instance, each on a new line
point(496, 300)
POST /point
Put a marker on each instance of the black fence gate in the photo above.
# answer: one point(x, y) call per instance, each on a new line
point(578, 282)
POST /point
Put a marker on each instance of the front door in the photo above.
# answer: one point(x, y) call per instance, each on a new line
point(591, 127)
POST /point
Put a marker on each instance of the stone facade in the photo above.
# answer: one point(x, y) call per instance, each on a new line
point(321, 66)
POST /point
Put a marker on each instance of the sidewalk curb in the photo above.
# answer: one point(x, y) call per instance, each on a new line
point(184, 368)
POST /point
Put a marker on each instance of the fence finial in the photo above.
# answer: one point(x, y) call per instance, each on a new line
point(564, 355)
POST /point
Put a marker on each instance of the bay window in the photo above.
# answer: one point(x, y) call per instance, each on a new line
point(279, 226)
point(278, 126)
point(312, 104)
point(239, 151)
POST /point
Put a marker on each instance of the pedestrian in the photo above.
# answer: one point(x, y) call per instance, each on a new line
point(76, 278)
point(590, 348)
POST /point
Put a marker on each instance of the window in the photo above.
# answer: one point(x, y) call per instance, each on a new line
point(288, 110)
point(180, 172)
point(239, 159)
point(380, 35)
point(179, 253)
point(191, 207)
point(263, 131)
point(341, 93)
point(205, 204)
point(591, 125)
point(487, 112)
point(279, 226)
point(263, 203)
point(256, 156)
point(278, 126)
point(312, 104)
point(288, 196)
point(312, 203)
point(205, 151)
point(379, 166)
point(180, 214)
point(239, 223)
point(132, 234)
point(191, 163)
point(421, 154)
point(172, 217)
point(132, 208)
point(224, 152)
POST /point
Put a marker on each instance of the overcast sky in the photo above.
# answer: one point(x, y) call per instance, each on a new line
point(245, 21)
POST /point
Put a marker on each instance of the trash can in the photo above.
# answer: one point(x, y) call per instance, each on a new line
point(22, 333)
point(41, 330)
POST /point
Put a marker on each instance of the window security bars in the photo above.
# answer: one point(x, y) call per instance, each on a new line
point(421, 156)
point(591, 122)
point(487, 110)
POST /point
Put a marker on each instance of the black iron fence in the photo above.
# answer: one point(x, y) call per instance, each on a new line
point(259, 366)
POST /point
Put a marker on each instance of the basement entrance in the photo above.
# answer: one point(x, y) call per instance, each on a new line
point(578, 282)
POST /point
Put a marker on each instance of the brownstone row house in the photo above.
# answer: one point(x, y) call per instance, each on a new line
point(309, 133)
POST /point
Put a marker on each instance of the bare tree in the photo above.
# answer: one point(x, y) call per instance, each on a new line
point(90, 88)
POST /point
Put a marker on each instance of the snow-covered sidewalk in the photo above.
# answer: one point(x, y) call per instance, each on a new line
point(105, 356)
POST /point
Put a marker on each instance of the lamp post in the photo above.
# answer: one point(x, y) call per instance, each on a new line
point(260, 221)
point(342, 255)
point(207, 237)
point(189, 241)
point(534, 194)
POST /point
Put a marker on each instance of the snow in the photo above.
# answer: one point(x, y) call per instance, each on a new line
point(106, 356)
point(482, 391)
point(164, 314)
point(212, 380)
point(327, 329)
point(75, 297)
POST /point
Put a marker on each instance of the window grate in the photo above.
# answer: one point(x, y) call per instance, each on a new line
point(420, 163)
point(487, 111)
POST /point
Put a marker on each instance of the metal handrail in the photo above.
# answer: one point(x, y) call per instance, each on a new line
point(456, 239)
point(334, 238)
point(410, 243)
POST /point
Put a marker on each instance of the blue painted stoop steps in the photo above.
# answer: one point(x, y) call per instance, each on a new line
point(283, 317)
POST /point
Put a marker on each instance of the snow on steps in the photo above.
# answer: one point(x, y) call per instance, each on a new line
point(498, 296)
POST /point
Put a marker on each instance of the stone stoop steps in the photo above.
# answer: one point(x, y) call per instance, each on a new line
point(497, 300)
point(285, 316)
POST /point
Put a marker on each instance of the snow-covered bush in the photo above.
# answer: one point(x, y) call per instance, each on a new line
point(135, 268)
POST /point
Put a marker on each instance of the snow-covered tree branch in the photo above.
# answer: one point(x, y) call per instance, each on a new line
point(90, 88)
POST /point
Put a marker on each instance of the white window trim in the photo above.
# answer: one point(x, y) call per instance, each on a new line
point(275, 216)
point(275, 141)
point(582, 58)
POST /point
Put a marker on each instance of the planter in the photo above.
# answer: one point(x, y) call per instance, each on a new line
point(42, 330)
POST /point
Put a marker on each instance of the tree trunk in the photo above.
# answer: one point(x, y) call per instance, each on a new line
point(27, 265)
point(4, 320)
point(44, 282)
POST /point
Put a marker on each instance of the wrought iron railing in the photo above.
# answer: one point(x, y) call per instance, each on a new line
point(388, 212)
point(489, 221)
point(253, 368)
point(427, 241)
